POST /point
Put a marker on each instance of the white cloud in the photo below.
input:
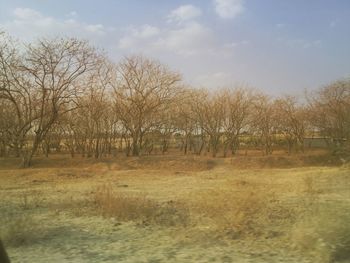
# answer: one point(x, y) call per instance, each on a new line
point(186, 40)
point(148, 31)
point(138, 37)
point(228, 8)
point(98, 28)
point(28, 24)
point(27, 14)
point(190, 39)
point(184, 13)
point(182, 35)
point(183, 43)
point(214, 80)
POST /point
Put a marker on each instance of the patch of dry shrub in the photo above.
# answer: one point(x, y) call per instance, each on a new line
point(30, 199)
point(324, 235)
point(139, 208)
point(253, 210)
point(323, 230)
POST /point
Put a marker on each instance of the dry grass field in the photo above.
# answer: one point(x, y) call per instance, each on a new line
point(176, 209)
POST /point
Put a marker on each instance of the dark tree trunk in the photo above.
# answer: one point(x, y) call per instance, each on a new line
point(27, 156)
point(97, 149)
point(135, 148)
point(3, 255)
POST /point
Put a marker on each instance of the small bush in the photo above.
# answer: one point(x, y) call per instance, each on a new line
point(124, 207)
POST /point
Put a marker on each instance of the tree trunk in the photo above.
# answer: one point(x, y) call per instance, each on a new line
point(27, 159)
point(135, 146)
point(225, 149)
point(97, 149)
point(27, 156)
point(164, 146)
point(201, 147)
point(214, 146)
point(3, 255)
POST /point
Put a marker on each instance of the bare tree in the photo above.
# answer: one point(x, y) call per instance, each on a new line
point(167, 127)
point(237, 111)
point(62, 92)
point(8, 140)
point(291, 121)
point(95, 115)
point(42, 84)
point(263, 122)
point(144, 88)
point(185, 121)
point(209, 112)
point(15, 95)
point(53, 139)
point(330, 108)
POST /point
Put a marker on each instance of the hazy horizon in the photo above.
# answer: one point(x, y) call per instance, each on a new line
point(276, 46)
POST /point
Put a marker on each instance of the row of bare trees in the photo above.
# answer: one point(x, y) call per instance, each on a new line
point(63, 93)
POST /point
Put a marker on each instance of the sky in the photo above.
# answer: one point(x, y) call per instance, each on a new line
point(277, 46)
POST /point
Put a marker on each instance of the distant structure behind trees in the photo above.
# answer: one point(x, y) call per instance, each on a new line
point(61, 95)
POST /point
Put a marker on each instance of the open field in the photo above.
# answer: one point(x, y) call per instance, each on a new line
point(175, 209)
point(175, 131)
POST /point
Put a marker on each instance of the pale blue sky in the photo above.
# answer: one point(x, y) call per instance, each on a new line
point(279, 46)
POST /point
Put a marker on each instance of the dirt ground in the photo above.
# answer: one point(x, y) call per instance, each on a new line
point(49, 213)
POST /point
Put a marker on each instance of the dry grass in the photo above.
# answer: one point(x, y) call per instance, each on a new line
point(245, 159)
point(324, 235)
point(139, 208)
point(323, 230)
point(244, 210)
point(18, 230)
point(283, 160)
point(30, 199)
point(212, 202)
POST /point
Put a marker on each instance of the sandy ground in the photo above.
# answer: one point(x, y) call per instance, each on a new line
point(61, 230)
